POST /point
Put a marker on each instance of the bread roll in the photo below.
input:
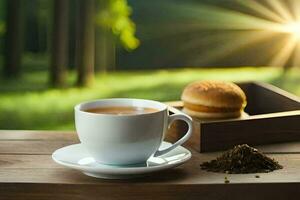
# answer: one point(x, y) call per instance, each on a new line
point(213, 100)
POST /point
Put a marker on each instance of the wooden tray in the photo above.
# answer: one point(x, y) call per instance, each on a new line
point(274, 117)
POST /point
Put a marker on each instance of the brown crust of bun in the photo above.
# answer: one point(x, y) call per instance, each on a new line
point(209, 109)
point(206, 115)
point(218, 94)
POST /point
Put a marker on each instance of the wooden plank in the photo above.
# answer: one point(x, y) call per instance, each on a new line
point(29, 146)
point(27, 162)
point(36, 143)
point(281, 148)
point(32, 147)
point(25, 178)
point(37, 135)
point(41, 168)
point(149, 192)
point(38, 177)
point(59, 175)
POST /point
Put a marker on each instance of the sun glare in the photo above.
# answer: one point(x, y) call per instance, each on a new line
point(292, 28)
point(269, 19)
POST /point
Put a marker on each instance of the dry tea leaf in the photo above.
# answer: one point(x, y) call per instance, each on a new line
point(242, 159)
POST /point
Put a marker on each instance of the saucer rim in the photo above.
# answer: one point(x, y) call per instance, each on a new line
point(121, 170)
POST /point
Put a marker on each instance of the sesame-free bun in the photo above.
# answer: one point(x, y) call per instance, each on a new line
point(212, 115)
point(213, 99)
point(205, 116)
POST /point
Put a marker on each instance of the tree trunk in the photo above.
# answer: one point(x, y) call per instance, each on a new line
point(105, 44)
point(85, 46)
point(13, 40)
point(72, 34)
point(100, 50)
point(111, 51)
point(59, 59)
point(105, 50)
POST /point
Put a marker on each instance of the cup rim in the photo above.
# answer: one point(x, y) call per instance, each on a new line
point(162, 106)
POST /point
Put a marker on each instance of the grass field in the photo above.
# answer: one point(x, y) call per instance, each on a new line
point(28, 103)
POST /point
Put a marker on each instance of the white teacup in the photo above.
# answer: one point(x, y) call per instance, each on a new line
point(126, 139)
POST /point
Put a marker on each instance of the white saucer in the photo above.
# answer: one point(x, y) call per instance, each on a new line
point(76, 157)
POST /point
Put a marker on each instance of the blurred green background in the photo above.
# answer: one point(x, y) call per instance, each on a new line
point(50, 61)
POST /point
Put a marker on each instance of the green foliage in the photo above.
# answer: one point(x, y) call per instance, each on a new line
point(115, 15)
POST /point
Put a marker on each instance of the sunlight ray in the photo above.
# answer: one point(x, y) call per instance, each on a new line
point(200, 16)
point(261, 9)
point(296, 9)
point(281, 58)
point(216, 18)
point(296, 57)
point(279, 7)
point(230, 47)
point(275, 19)
point(208, 41)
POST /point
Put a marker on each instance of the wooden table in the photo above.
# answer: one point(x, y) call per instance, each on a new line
point(28, 172)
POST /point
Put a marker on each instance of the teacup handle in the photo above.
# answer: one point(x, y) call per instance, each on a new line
point(171, 119)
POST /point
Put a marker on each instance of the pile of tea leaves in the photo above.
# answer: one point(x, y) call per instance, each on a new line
point(242, 159)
